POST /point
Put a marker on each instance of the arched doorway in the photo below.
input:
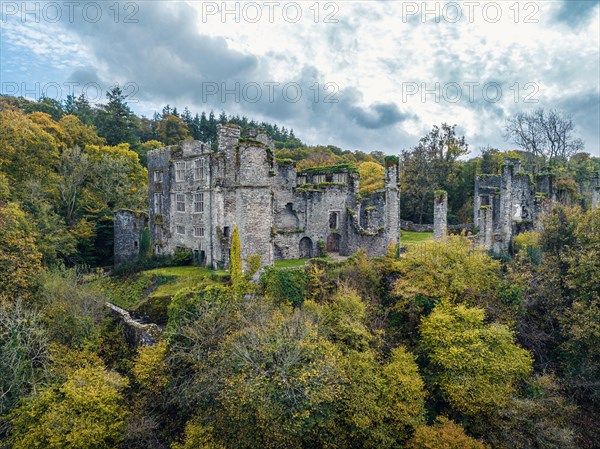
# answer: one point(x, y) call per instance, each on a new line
point(306, 248)
point(333, 243)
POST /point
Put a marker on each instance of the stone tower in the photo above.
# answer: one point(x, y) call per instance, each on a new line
point(440, 215)
point(392, 199)
point(596, 191)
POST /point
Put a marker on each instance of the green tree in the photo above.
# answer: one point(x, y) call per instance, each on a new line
point(171, 130)
point(117, 179)
point(432, 165)
point(284, 384)
point(83, 110)
point(115, 120)
point(45, 105)
point(235, 256)
point(381, 404)
point(84, 412)
point(24, 355)
point(72, 310)
point(476, 364)
point(540, 418)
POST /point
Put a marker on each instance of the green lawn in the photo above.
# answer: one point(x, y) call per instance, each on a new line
point(182, 277)
point(290, 263)
point(132, 291)
point(410, 238)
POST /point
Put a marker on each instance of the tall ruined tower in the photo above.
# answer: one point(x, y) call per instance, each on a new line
point(392, 199)
point(596, 192)
point(254, 171)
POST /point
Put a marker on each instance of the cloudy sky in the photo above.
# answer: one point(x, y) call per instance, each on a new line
point(359, 75)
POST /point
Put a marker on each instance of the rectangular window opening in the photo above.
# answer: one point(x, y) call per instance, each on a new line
point(198, 202)
point(179, 171)
point(180, 198)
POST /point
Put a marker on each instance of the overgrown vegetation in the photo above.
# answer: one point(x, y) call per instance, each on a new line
point(442, 347)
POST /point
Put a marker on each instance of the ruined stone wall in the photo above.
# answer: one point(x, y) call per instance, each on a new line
point(186, 172)
point(128, 229)
point(255, 221)
point(509, 203)
point(440, 215)
point(319, 204)
point(159, 199)
point(367, 225)
point(392, 201)
point(254, 198)
point(596, 192)
point(280, 213)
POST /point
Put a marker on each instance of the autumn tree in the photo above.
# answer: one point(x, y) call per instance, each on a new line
point(20, 259)
point(443, 434)
point(477, 365)
point(284, 383)
point(24, 355)
point(84, 412)
point(452, 271)
point(371, 177)
point(235, 255)
point(383, 402)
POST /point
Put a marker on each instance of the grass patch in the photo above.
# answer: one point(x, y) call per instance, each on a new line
point(290, 263)
point(181, 277)
point(131, 291)
point(410, 237)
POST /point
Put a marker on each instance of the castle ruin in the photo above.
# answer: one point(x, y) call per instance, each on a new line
point(197, 196)
point(509, 203)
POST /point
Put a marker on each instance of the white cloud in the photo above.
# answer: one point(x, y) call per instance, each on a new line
point(372, 50)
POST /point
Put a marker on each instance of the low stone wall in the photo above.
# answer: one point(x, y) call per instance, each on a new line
point(136, 333)
point(407, 225)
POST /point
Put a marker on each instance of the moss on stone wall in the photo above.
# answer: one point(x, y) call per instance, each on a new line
point(329, 169)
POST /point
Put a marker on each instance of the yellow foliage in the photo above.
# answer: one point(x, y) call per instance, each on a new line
point(235, 256)
point(77, 133)
point(27, 150)
point(449, 270)
point(197, 436)
point(150, 368)
point(61, 138)
point(526, 240)
point(85, 412)
point(443, 434)
point(371, 177)
point(20, 259)
point(478, 364)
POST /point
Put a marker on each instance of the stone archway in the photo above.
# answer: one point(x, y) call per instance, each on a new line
point(306, 248)
point(333, 243)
